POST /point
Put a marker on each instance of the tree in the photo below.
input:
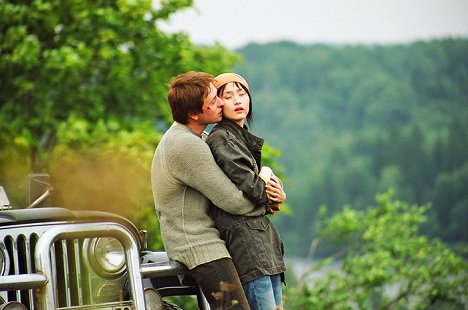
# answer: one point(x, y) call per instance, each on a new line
point(386, 264)
point(450, 188)
point(83, 97)
point(92, 60)
point(390, 107)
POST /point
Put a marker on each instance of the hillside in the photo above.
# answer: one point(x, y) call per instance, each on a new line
point(354, 121)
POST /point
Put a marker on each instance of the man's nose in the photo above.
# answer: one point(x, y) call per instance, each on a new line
point(220, 103)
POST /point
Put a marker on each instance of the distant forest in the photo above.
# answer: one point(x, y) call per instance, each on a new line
point(353, 121)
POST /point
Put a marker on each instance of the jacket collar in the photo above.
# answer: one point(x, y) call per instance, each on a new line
point(251, 139)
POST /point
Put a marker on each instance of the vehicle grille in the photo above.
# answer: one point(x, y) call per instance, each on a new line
point(72, 277)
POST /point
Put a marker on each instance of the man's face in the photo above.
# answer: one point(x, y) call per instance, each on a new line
point(212, 110)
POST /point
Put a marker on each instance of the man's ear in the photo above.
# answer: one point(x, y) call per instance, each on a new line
point(193, 116)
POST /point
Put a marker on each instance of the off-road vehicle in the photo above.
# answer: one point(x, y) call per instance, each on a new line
point(55, 258)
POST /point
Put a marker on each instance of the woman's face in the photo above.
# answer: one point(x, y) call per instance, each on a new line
point(236, 103)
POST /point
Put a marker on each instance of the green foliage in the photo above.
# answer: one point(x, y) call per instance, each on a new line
point(184, 302)
point(352, 121)
point(103, 166)
point(386, 263)
point(83, 97)
point(91, 59)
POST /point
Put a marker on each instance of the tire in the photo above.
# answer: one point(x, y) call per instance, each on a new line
point(170, 306)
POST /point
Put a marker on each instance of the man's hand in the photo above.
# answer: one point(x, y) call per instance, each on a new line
point(273, 208)
point(275, 192)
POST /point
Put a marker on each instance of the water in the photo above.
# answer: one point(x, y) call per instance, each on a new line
point(304, 269)
point(304, 272)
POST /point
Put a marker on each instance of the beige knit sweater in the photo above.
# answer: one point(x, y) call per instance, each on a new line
point(184, 179)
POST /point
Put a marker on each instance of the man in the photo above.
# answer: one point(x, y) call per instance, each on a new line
point(185, 178)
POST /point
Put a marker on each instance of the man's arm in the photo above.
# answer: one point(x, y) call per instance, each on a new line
point(196, 167)
point(240, 170)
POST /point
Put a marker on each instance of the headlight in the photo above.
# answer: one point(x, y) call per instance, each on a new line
point(153, 299)
point(13, 305)
point(107, 257)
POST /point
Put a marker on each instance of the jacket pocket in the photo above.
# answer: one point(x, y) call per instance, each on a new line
point(258, 223)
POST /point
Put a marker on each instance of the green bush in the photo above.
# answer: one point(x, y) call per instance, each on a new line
point(385, 264)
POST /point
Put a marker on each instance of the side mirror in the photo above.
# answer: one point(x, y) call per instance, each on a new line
point(4, 202)
point(39, 190)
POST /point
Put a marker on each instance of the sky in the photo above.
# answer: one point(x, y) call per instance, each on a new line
point(235, 23)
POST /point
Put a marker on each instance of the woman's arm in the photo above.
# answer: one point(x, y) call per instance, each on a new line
point(239, 167)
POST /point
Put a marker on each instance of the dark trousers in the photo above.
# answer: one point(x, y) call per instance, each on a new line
point(220, 284)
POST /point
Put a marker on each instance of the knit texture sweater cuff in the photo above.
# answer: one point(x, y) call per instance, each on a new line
point(202, 254)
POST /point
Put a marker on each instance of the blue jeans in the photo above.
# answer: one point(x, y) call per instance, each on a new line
point(264, 293)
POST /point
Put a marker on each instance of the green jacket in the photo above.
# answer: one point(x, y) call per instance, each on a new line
point(185, 178)
point(253, 241)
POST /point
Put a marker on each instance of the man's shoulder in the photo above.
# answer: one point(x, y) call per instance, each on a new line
point(180, 143)
point(181, 134)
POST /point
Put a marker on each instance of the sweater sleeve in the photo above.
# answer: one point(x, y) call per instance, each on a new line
point(239, 167)
point(194, 165)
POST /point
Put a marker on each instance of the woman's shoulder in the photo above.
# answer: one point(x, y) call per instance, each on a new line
point(218, 134)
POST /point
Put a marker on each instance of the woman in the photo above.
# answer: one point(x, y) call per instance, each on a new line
point(253, 241)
